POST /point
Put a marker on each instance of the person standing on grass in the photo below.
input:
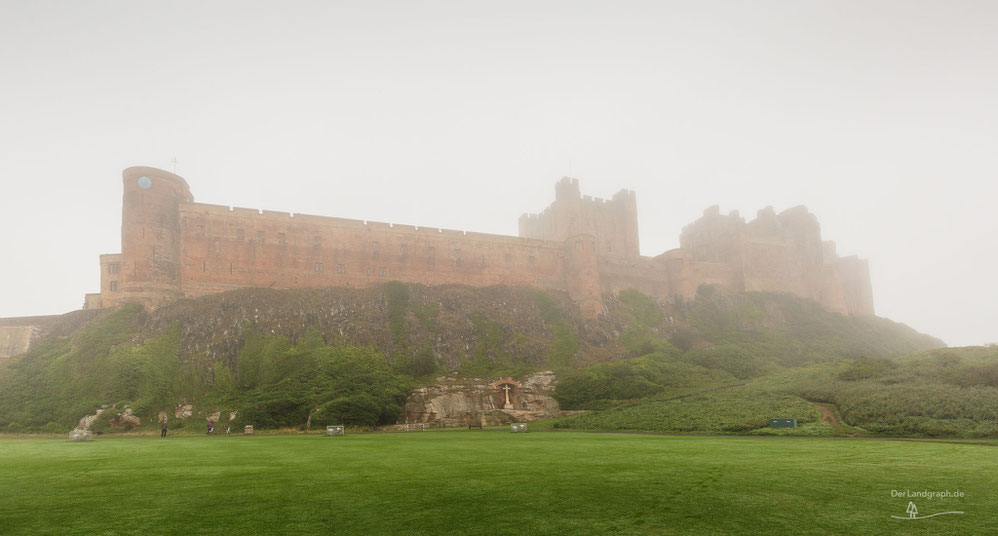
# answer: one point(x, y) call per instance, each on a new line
point(209, 429)
point(163, 430)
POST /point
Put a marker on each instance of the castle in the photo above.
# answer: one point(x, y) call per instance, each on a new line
point(173, 248)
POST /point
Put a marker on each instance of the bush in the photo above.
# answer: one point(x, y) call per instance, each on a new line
point(565, 343)
point(978, 375)
point(632, 379)
point(359, 409)
point(424, 362)
point(866, 367)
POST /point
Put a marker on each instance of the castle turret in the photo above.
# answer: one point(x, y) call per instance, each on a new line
point(567, 189)
point(150, 236)
point(613, 223)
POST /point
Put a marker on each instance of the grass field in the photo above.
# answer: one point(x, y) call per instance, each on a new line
point(491, 483)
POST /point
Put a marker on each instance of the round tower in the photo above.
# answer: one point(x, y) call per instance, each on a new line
point(150, 236)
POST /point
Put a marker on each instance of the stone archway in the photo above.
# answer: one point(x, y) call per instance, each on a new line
point(507, 392)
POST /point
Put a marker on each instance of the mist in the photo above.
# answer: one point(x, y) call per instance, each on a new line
point(880, 117)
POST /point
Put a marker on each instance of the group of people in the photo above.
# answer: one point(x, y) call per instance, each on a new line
point(211, 429)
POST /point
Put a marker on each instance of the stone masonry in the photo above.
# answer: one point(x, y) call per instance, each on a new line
point(173, 248)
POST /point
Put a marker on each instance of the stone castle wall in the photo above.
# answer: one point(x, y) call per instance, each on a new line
point(18, 334)
point(173, 247)
point(15, 340)
point(225, 248)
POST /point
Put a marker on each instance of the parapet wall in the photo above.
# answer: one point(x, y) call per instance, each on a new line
point(173, 247)
point(225, 248)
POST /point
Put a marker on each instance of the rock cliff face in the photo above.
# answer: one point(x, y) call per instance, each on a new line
point(455, 401)
point(458, 324)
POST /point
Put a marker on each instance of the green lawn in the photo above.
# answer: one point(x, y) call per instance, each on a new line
point(491, 483)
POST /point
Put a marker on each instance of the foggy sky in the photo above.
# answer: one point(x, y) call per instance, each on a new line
point(880, 117)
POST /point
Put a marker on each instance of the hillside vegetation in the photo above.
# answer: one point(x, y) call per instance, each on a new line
point(300, 358)
point(949, 392)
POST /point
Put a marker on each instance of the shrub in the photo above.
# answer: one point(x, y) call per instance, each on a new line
point(424, 362)
point(978, 375)
point(866, 367)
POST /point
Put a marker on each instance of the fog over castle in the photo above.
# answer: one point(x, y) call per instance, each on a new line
point(174, 248)
point(880, 118)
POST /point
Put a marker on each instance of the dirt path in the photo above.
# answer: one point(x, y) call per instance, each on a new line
point(827, 415)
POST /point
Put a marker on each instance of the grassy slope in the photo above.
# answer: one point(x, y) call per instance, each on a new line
point(941, 393)
point(489, 483)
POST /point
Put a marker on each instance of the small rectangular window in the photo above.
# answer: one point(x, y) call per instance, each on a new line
point(383, 272)
point(403, 250)
point(282, 239)
point(240, 234)
point(340, 268)
point(204, 266)
point(375, 250)
point(114, 286)
point(532, 259)
point(317, 241)
point(318, 267)
point(261, 236)
point(114, 268)
point(368, 271)
point(457, 257)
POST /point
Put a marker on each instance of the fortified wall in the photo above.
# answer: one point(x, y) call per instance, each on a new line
point(173, 247)
point(18, 334)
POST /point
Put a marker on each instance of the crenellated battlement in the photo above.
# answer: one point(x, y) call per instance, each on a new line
point(613, 223)
point(174, 247)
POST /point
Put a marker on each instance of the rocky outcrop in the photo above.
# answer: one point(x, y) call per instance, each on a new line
point(125, 420)
point(87, 421)
point(456, 401)
point(183, 411)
